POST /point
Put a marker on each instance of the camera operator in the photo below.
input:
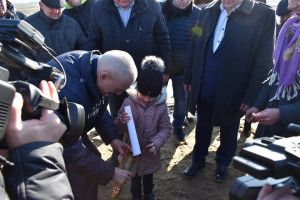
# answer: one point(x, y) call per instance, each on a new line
point(39, 169)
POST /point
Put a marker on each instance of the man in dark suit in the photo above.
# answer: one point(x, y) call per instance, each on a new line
point(228, 60)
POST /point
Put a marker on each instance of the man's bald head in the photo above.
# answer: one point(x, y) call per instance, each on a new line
point(116, 71)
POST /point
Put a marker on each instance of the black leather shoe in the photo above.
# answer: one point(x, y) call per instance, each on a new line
point(221, 174)
point(192, 170)
point(179, 133)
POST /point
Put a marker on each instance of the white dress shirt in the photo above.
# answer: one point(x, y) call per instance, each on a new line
point(221, 26)
point(125, 13)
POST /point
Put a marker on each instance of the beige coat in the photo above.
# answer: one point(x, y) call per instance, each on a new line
point(152, 125)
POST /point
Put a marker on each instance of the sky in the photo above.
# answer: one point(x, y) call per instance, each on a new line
point(23, 1)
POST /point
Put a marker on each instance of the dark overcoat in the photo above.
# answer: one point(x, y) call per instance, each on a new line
point(61, 35)
point(145, 34)
point(85, 167)
point(248, 45)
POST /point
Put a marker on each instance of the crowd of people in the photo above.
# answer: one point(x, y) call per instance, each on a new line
point(221, 57)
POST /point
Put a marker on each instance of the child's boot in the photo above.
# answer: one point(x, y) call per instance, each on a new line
point(149, 197)
point(148, 194)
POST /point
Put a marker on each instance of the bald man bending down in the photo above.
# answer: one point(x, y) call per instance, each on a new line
point(91, 78)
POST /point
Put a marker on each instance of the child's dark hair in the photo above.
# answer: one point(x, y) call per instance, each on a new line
point(150, 77)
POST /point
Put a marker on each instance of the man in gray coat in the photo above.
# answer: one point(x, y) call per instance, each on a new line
point(229, 58)
point(62, 33)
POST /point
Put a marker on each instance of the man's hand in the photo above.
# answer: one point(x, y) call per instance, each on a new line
point(121, 176)
point(121, 147)
point(187, 87)
point(48, 128)
point(244, 107)
point(268, 116)
point(266, 193)
point(249, 112)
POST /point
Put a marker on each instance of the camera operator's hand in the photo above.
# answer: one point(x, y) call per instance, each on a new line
point(268, 116)
point(121, 147)
point(249, 114)
point(266, 193)
point(48, 128)
point(121, 176)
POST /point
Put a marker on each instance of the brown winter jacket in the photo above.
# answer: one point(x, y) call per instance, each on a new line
point(152, 125)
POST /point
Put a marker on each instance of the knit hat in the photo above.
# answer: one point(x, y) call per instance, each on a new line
point(150, 78)
point(282, 8)
point(54, 3)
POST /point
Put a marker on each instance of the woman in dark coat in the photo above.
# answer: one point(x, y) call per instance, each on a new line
point(278, 103)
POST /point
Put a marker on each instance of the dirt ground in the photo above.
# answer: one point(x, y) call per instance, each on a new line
point(169, 182)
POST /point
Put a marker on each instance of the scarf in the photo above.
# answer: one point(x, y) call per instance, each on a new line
point(287, 61)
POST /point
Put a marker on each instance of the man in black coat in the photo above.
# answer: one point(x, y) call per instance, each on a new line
point(80, 10)
point(137, 27)
point(91, 79)
point(230, 56)
point(62, 33)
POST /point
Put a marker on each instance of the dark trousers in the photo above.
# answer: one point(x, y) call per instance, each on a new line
point(136, 184)
point(228, 136)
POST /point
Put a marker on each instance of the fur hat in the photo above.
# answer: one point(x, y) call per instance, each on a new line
point(150, 78)
point(54, 3)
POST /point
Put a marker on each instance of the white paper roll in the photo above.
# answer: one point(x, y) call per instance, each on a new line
point(132, 133)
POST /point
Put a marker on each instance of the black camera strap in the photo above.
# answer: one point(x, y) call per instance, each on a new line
point(48, 104)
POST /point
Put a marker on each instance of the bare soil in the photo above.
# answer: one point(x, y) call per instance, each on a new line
point(169, 182)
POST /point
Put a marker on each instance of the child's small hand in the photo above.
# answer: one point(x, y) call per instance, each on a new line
point(151, 148)
point(125, 117)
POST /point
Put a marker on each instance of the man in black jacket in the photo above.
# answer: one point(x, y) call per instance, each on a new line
point(80, 10)
point(62, 33)
point(137, 27)
point(230, 55)
point(181, 17)
point(91, 78)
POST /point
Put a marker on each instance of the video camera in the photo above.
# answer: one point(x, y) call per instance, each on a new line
point(17, 37)
point(273, 160)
